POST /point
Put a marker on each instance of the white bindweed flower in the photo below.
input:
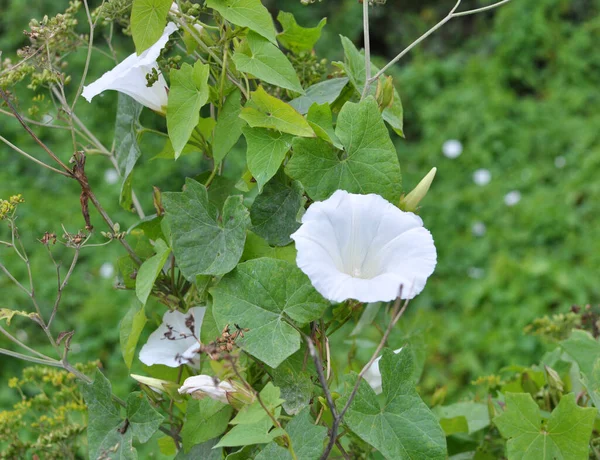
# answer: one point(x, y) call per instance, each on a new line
point(482, 177)
point(176, 341)
point(107, 270)
point(560, 162)
point(200, 386)
point(452, 149)
point(363, 247)
point(129, 77)
point(478, 229)
point(111, 176)
point(512, 198)
point(373, 374)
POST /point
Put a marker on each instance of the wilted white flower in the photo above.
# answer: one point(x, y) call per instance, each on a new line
point(200, 386)
point(452, 149)
point(478, 229)
point(129, 77)
point(176, 341)
point(363, 247)
point(560, 162)
point(373, 374)
point(107, 270)
point(512, 198)
point(482, 177)
point(111, 176)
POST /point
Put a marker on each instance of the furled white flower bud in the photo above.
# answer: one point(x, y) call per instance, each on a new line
point(200, 386)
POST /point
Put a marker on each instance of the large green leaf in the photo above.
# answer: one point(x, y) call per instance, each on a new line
point(256, 247)
point(583, 348)
point(475, 416)
point(205, 419)
point(265, 152)
point(403, 427)
point(255, 433)
point(354, 65)
point(127, 149)
point(143, 419)
point(325, 92)
point(130, 330)
point(204, 241)
point(229, 126)
point(148, 20)
point(266, 111)
point(150, 270)
point(297, 38)
point(320, 120)
point(264, 60)
point(565, 435)
point(274, 451)
point(246, 13)
point(187, 94)
point(262, 295)
point(204, 451)
point(274, 212)
point(107, 436)
point(307, 438)
point(368, 164)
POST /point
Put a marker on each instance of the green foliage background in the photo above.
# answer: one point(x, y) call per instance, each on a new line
point(518, 87)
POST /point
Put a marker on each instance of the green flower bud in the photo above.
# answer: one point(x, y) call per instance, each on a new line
point(412, 200)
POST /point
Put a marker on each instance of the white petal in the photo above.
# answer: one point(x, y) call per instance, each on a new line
point(211, 386)
point(172, 342)
point(373, 375)
point(129, 77)
point(363, 247)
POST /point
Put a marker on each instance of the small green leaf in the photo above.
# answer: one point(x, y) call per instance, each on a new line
point(294, 379)
point(256, 247)
point(369, 163)
point(144, 420)
point(204, 242)
point(274, 451)
point(261, 295)
point(583, 348)
point(297, 38)
point(265, 61)
point(266, 111)
point(106, 433)
point(403, 427)
point(475, 415)
point(255, 412)
point(320, 120)
point(274, 211)
point(307, 438)
point(255, 433)
point(205, 419)
point(265, 152)
point(355, 69)
point(148, 20)
point(566, 434)
point(229, 126)
point(127, 149)
point(325, 92)
point(246, 13)
point(130, 330)
point(187, 94)
point(150, 270)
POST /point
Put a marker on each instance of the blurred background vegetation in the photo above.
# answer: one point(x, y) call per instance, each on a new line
point(519, 87)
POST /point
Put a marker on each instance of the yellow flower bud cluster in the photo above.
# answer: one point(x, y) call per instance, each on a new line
point(7, 207)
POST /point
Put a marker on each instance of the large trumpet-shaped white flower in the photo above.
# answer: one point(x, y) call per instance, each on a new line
point(176, 341)
point(129, 77)
point(363, 247)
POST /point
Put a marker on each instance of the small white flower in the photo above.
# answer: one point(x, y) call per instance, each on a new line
point(176, 341)
point(512, 198)
point(373, 374)
point(478, 229)
point(129, 77)
point(476, 273)
point(200, 386)
point(111, 176)
point(107, 270)
point(363, 247)
point(452, 149)
point(560, 162)
point(482, 177)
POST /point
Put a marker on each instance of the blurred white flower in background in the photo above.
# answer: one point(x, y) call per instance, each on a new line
point(512, 198)
point(22, 335)
point(452, 149)
point(476, 272)
point(129, 77)
point(478, 229)
point(200, 386)
point(107, 270)
point(560, 162)
point(365, 248)
point(176, 341)
point(482, 177)
point(373, 374)
point(111, 176)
